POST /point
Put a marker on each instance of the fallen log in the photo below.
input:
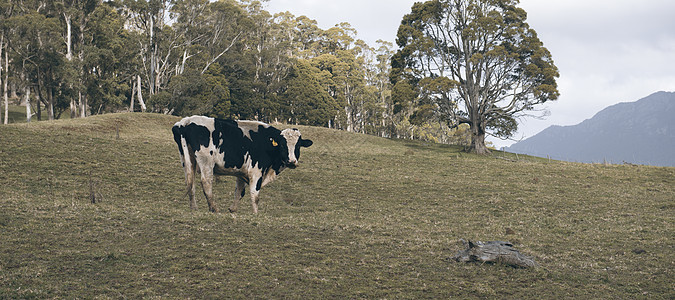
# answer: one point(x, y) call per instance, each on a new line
point(493, 252)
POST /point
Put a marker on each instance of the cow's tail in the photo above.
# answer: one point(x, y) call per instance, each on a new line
point(177, 137)
point(185, 160)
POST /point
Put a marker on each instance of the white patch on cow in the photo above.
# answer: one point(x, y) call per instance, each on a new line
point(292, 137)
point(248, 126)
point(269, 177)
point(207, 122)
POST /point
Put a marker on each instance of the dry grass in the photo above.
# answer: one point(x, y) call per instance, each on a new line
point(362, 217)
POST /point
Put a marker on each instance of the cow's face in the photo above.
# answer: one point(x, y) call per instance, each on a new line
point(293, 141)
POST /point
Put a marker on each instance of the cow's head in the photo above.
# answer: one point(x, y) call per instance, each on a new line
point(292, 143)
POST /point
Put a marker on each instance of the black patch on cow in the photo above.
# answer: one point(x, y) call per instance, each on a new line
point(258, 185)
point(195, 136)
point(301, 143)
point(231, 141)
point(176, 137)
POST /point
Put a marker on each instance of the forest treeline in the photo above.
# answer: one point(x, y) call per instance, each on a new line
point(226, 58)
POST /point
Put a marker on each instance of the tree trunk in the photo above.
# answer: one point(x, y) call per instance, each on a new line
point(478, 135)
point(12, 90)
point(140, 94)
point(82, 99)
point(2, 42)
point(73, 108)
point(348, 114)
point(28, 112)
point(477, 129)
point(69, 37)
point(69, 57)
point(494, 252)
point(133, 91)
point(50, 102)
point(83, 104)
point(478, 141)
point(39, 103)
point(182, 65)
point(5, 88)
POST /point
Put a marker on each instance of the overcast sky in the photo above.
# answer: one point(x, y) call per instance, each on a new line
point(607, 51)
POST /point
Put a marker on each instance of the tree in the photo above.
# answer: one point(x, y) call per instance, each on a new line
point(157, 41)
point(307, 101)
point(193, 93)
point(33, 40)
point(475, 62)
point(77, 16)
point(105, 59)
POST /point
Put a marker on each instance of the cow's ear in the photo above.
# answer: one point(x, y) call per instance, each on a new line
point(306, 143)
point(274, 143)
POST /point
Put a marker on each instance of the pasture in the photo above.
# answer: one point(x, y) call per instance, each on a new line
point(361, 217)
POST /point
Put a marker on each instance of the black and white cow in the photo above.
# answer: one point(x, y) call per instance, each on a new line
point(254, 152)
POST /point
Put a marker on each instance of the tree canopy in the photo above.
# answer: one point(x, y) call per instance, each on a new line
point(474, 62)
point(225, 58)
point(459, 62)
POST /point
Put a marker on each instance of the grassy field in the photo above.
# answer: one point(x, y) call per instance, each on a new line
point(362, 217)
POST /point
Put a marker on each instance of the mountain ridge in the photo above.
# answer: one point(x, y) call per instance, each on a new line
point(639, 132)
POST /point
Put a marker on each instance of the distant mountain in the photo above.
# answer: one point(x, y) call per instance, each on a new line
point(641, 132)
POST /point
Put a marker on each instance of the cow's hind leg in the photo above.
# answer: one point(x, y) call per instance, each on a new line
point(207, 186)
point(205, 165)
point(239, 191)
point(190, 167)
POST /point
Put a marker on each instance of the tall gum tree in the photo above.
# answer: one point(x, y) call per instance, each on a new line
point(474, 62)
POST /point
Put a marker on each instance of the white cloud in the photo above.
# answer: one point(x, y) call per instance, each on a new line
point(373, 19)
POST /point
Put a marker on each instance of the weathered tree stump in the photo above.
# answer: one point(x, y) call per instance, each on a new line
point(494, 252)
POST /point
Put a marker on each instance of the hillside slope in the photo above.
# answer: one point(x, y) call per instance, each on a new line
point(362, 217)
point(641, 132)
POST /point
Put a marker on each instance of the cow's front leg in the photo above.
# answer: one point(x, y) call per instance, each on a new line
point(255, 185)
point(239, 191)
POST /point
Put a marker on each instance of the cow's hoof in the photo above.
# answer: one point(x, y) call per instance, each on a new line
point(232, 210)
point(214, 210)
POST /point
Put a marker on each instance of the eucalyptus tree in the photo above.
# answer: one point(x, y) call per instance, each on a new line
point(203, 34)
point(376, 108)
point(75, 16)
point(6, 9)
point(384, 53)
point(107, 60)
point(340, 58)
point(307, 36)
point(307, 101)
point(227, 23)
point(473, 62)
point(33, 33)
point(157, 41)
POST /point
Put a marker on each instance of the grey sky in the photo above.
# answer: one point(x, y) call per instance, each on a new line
point(607, 51)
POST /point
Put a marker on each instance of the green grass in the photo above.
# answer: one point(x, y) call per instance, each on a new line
point(362, 217)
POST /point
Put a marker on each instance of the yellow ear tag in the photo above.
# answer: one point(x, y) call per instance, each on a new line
point(274, 143)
